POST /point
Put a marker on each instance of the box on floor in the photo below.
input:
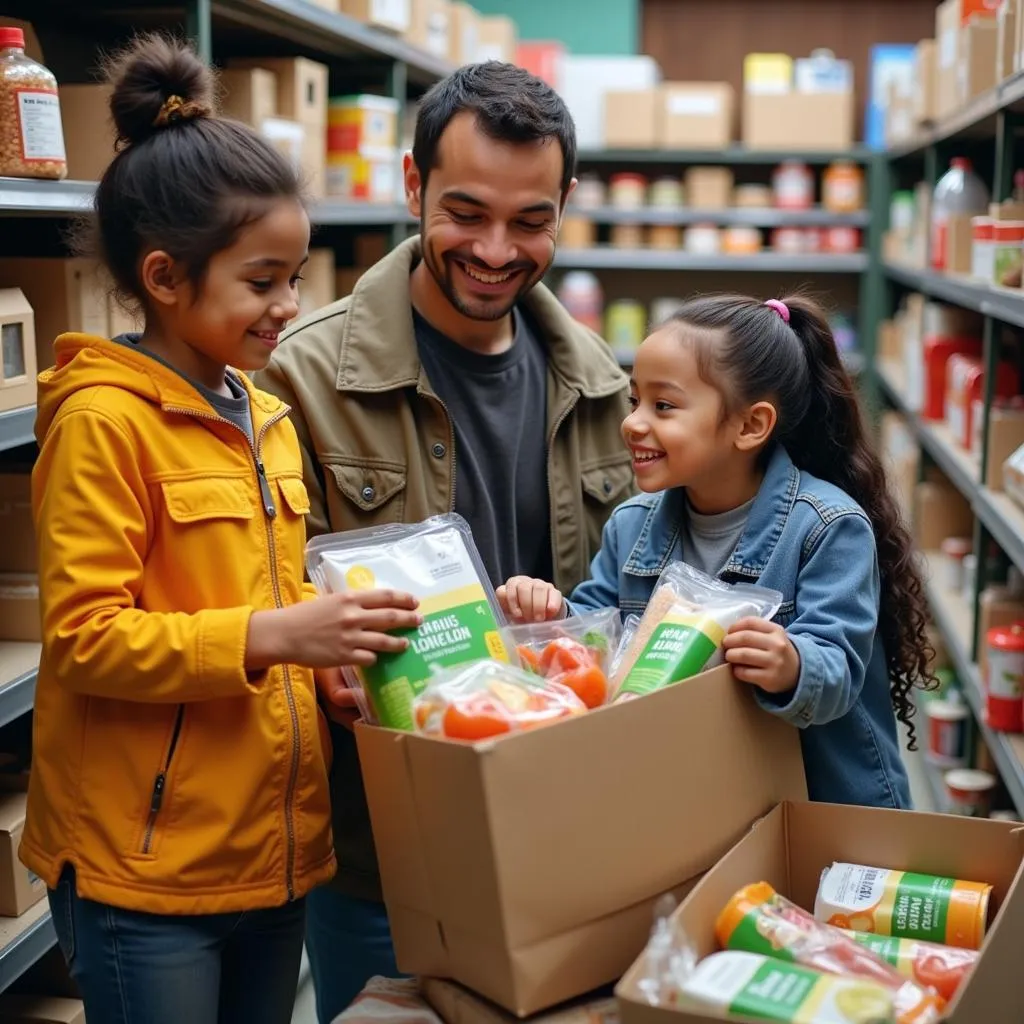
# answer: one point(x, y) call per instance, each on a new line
point(465, 834)
point(19, 887)
point(792, 845)
point(27, 1009)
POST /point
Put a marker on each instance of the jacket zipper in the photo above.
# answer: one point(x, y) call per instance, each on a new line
point(270, 513)
point(160, 783)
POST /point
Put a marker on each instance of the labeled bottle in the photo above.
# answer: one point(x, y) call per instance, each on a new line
point(959, 193)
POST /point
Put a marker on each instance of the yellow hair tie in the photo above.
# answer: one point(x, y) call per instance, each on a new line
point(177, 109)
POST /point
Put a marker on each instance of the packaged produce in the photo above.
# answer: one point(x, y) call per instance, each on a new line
point(759, 920)
point(488, 698)
point(630, 625)
point(904, 904)
point(681, 632)
point(437, 562)
point(576, 652)
point(941, 968)
point(31, 133)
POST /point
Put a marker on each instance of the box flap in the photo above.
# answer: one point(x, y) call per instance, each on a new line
point(12, 811)
point(22, 1009)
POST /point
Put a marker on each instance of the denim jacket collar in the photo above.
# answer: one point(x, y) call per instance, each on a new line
point(659, 539)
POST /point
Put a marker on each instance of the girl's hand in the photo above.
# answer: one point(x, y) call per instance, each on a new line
point(337, 629)
point(527, 600)
point(339, 700)
point(761, 653)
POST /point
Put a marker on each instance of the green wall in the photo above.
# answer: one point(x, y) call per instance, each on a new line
point(585, 26)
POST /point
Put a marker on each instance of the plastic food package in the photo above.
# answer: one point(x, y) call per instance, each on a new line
point(681, 632)
point(437, 562)
point(758, 920)
point(629, 627)
point(575, 652)
point(490, 698)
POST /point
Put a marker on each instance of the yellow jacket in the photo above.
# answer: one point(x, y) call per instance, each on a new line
point(171, 780)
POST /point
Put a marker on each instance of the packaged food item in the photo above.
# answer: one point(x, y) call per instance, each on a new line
point(958, 193)
point(666, 194)
point(484, 699)
point(704, 239)
point(788, 240)
point(955, 549)
point(665, 236)
point(759, 920)
point(983, 248)
point(590, 193)
point(840, 239)
point(625, 326)
point(940, 968)
point(31, 133)
point(627, 191)
point(576, 652)
point(947, 733)
point(681, 632)
point(904, 904)
point(577, 232)
point(1004, 678)
point(629, 627)
point(437, 562)
point(1007, 239)
point(741, 240)
point(583, 297)
point(793, 185)
point(752, 197)
point(627, 236)
point(969, 792)
point(842, 187)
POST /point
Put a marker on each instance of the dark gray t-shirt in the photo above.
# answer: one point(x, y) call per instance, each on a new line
point(498, 406)
point(710, 540)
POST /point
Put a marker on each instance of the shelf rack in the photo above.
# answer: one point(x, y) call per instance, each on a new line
point(23, 940)
point(609, 258)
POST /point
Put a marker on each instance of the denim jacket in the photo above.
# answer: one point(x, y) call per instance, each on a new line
point(813, 543)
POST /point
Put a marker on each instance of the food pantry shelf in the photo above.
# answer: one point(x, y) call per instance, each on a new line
point(609, 258)
point(327, 212)
point(32, 197)
point(23, 940)
point(732, 155)
point(764, 218)
point(17, 427)
point(19, 663)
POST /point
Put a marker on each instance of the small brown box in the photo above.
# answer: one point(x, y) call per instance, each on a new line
point(88, 130)
point(696, 115)
point(18, 551)
point(1006, 47)
point(708, 188)
point(497, 39)
point(940, 511)
point(301, 86)
point(1005, 436)
point(17, 350)
point(22, 1009)
point(19, 887)
point(465, 33)
point(925, 98)
point(390, 15)
point(249, 94)
point(976, 67)
point(817, 121)
point(19, 608)
point(430, 27)
point(631, 119)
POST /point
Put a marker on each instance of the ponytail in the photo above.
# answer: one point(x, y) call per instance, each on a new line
point(750, 351)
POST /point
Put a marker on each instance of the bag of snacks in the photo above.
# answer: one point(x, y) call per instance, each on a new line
point(437, 562)
point(490, 698)
point(576, 651)
point(681, 632)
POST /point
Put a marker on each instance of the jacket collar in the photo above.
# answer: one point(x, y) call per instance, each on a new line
point(659, 542)
point(378, 341)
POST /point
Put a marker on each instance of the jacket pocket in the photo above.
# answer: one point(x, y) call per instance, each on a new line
point(373, 492)
point(156, 799)
point(192, 501)
point(604, 487)
point(295, 495)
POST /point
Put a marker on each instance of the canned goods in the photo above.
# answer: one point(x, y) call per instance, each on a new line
point(627, 191)
point(1004, 678)
point(969, 792)
point(625, 326)
point(947, 733)
point(793, 184)
point(955, 550)
point(664, 236)
point(627, 236)
point(666, 193)
point(841, 239)
point(590, 193)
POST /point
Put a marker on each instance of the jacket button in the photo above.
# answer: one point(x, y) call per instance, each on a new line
point(368, 493)
point(438, 450)
point(607, 486)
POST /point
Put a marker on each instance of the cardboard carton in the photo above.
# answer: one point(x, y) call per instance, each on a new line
point(430, 27)
point(821, 121)
point(249, 94)
point(708, 188)
point(362, 120)
point(976, 68)
point(791, 846)
point(19, 608)
point(390, 15)
point(23, 1009)
point(925, 98)
point(526, 868)
point(696, 115)
point(1006, 45)
point(497, 38)
point(940, 511)
point(457, 1005)
point(17, 350)
point(371, 175)
point(88, 130)
point(301, 86)
point(465, 33)
point(631, 119)
point(18, 551)
point(19, 887)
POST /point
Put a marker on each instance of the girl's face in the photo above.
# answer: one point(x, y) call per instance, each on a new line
point(677, 432)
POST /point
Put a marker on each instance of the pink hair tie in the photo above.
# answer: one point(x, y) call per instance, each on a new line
point(780, 307)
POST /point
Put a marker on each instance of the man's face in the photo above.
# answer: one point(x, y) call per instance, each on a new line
point(488, 217)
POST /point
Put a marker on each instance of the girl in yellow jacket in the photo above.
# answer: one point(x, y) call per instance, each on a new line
point(179, 805)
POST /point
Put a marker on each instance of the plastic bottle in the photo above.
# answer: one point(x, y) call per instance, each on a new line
point(959, 193)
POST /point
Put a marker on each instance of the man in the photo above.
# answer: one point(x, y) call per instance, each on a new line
point(451, 379)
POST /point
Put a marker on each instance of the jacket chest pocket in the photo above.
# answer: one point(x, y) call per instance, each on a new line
point(369, 494)
point(604, 487)
point(214, 498)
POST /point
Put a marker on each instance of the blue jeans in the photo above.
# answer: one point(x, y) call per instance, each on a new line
point(348, 941)
point(136, 968)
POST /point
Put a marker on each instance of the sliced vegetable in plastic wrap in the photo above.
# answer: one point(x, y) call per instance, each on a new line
point(437, 562)
point(681, 632)
point(575, 652)
point(490, 698)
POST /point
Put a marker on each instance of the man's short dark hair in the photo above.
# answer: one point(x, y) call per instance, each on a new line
point(510, 105)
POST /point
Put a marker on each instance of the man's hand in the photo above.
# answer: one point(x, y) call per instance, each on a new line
point(761, 653)
point(339, 700)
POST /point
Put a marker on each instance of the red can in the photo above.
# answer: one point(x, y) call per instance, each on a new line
point(1004, 678)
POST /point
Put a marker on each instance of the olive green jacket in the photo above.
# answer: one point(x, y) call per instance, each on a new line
point(378, 447)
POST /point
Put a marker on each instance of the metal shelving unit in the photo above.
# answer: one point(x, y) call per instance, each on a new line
point(23, 940)
point(19, 664)
point(733, 155)
point(609, 258)
point(17, 427)
point(760, 218)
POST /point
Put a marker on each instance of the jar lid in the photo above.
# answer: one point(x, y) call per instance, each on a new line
point(970, 780)
point(627, 178)
point(945, 711)
point(957, 547)
point(1006, 638)
point(12, 37)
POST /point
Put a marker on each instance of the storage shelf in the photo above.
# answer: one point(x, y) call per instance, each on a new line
point(19, 664)
point(327, 212)
point(731, 155)
point(35, 197)
point(761, 217)
point(23, 940)
point(1005, 304)
point(609, 258)
point(17, 427)
point(329, 34)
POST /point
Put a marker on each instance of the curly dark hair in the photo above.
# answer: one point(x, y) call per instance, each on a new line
point(749, 353)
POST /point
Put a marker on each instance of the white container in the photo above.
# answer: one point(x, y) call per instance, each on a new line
point(947, 733)
point(959, 193)
point(969, 792)
point(586, 80)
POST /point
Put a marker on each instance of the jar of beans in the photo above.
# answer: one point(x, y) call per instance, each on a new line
point(31, 134)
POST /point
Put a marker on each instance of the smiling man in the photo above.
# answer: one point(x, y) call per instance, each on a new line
point(451, 379)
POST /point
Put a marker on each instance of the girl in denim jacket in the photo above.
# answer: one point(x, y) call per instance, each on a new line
point(754, 466)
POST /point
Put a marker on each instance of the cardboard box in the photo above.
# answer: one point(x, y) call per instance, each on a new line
point(696, 115)
point(467, 836)
point(66, 295)
point(457, 1005)
point(798, 121)
point(464, 39)
point(19, 608)
point(249, 94)
point(390, 15)
point(370, 247)
point(370, 175)
point(497, 39)
point(364, 120)
point(708, 188)
point(940, 511)
point(430, 27)
point(925, 97)
point(301, 86)
point(890, 76)
point(631, 119)
point(1006, 45)
point(1018, 57)
point(979, 52)
point(19, 887)
point(22, 1009)
point(1005, 436)
point(947, 40)
point(17, 350)
point(18, 551)
point(791, 846)
point(88, 130)
point(316, 289)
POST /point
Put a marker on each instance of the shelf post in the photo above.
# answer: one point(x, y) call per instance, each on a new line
point(875, 291)
point(199, 25)
point(398, 88)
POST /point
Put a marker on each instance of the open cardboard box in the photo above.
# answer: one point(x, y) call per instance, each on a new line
point(791, 846)
point(527, 867)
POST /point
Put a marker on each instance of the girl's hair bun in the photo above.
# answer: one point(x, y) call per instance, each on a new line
point(157, 81)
